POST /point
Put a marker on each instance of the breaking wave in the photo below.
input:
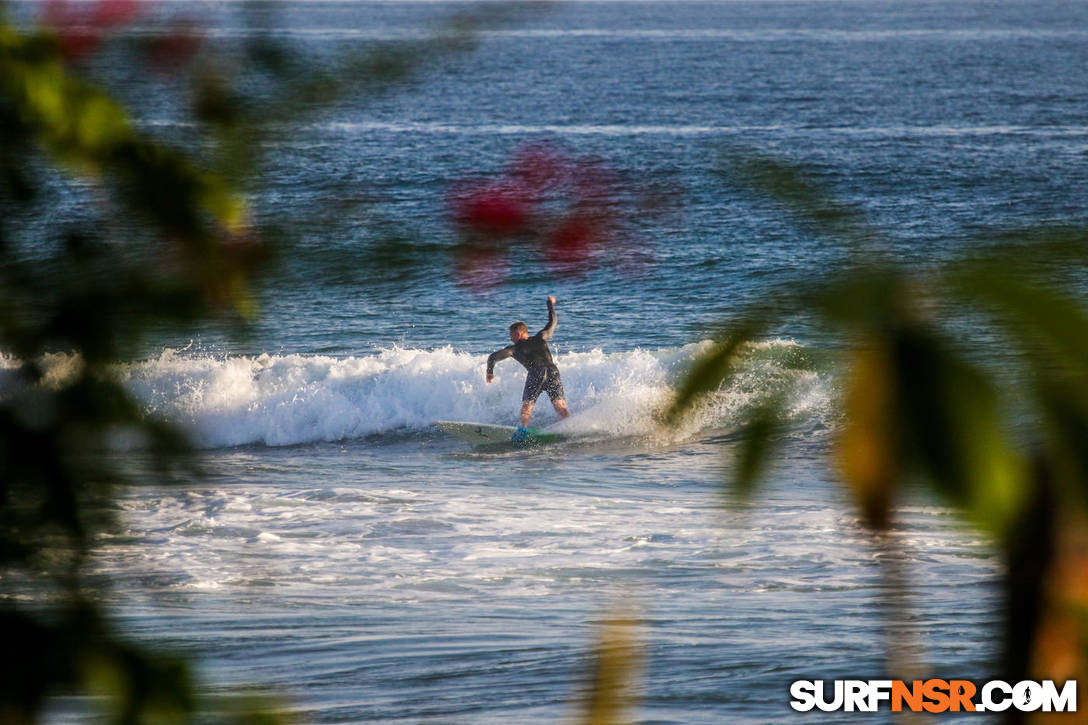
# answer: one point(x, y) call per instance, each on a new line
point(281, 400)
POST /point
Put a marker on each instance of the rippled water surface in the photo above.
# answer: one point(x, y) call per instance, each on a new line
point(345, 553)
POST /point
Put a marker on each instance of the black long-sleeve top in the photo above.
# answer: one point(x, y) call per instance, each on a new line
point(532, 352)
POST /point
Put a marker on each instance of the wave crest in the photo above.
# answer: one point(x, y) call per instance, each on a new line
point(281, 400)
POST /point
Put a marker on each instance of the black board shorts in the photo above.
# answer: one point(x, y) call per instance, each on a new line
point(542, 379)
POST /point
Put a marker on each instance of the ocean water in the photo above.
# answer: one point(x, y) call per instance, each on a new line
point(346, 554)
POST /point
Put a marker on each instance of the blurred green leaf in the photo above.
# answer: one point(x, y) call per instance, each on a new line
point(869, 299)
point(712, 369)
point(760, 436)
point(867, 451)
point(798, 191)
point(954, 434)
point(1064, 430)
point(1047, 248)
point(921, 405)
point(1032, 310)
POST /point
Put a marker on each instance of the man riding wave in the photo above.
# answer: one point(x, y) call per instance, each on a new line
point(543, 374)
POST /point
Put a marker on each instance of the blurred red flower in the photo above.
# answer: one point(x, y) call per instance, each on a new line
point(499, 209)
point(81, 26)
point(574, 241)
point(571, 209)
point(176, 46)
point(115, 13)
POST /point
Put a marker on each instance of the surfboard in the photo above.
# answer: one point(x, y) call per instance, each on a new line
point(483, 434)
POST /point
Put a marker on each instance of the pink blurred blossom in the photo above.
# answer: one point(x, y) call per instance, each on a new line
point(176, 46)
point(574, 241)
point(570, 212)
point(498, 209)
point(82, 26)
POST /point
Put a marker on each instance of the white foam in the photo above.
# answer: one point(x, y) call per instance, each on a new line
point(1038, 131)
point(290, 399)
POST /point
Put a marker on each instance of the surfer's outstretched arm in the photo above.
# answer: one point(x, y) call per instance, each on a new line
point(494, 357)
point(546, 333)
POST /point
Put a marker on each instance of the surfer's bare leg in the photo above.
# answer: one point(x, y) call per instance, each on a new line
point(526, 412)
point(561, 407)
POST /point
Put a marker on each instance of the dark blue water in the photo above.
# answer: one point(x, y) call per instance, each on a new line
point(351, 556)
point(938, 121)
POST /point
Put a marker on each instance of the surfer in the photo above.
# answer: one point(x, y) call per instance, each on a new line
point(533, 353)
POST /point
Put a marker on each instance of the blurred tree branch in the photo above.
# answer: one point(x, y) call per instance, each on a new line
point(171, 236)
point(917, 407)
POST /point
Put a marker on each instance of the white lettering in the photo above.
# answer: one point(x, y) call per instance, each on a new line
point(804, 695)
point(994, 696)
point(1065, 701)
point(879, 690)
point(1027, 696)
point(855, 696)
point(823, 703)
point(988, 700)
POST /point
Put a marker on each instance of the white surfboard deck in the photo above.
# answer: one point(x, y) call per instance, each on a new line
point(477, 433)
point(482, 434)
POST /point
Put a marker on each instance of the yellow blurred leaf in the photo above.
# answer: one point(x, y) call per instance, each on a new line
point(104, 678)
point(101, 124)
point(242, 298)
point(617, 665)
point(1060, 651)
point(44, 89)
point(227, 206)
point(995, 470)
point(866, 452)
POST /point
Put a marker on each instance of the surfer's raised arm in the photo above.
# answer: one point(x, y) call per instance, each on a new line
point(494, 357)
point(546, 333)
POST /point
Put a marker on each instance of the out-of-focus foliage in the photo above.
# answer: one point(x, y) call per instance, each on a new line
point(1007, 447)
point(572, 213)
point(613, 681)
point(163, 237)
